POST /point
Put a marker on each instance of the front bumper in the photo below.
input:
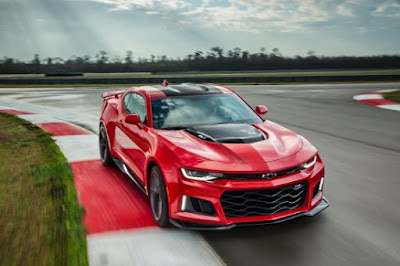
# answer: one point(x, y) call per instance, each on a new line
point(212, 192)
point(324, 203)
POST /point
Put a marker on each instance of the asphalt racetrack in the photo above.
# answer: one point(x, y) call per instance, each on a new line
point(359, 144)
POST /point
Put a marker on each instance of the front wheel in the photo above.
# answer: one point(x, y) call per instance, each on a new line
point(158, 198)
point(105, 154)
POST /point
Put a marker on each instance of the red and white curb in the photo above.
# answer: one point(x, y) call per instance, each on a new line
point(376, 99)
point(121, 230)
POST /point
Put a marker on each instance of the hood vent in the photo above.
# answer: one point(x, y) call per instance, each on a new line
point(227, 133)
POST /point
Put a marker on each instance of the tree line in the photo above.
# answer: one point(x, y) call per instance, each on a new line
point(216, 59)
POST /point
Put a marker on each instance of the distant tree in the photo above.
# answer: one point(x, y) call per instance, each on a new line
point(129, 57)
point(198, 55)
point(117, 60)
point(234, 59)
point(86, 59)
point(189, 57)
point(263, 53)
point(219, 51)
point(102, 57)
point(276, 52)
point(310, 53)
point(211, 55)
point(58, 60)
point(36, 60)
point(8, 61)
point(237, 52)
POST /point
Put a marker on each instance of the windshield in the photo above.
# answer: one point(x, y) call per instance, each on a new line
point(186, 111)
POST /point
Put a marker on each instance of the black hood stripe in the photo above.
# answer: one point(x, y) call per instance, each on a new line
point(228, 133)
point(188, 89)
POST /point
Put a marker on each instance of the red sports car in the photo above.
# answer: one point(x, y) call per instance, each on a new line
point(206, 159)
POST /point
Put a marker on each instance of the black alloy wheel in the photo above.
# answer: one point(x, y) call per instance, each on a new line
point(105, 154)
point(158, 198)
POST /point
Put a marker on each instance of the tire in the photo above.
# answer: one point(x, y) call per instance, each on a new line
point(158, 198)
point(105, 154)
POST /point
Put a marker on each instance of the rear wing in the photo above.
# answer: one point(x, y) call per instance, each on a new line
point(111, 94)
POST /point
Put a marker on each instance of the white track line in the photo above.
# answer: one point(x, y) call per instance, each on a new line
point(394, 107)
point(79, 148)
point(388, 90)
point(36, 119)
point(367, 97)
point(151, 246)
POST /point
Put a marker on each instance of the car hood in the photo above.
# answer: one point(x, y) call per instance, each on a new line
point(277, 143)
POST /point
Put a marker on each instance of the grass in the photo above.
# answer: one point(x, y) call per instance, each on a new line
point(393, 96)
point(40, 217)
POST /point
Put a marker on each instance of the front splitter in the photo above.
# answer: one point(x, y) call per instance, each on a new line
point(193, 226)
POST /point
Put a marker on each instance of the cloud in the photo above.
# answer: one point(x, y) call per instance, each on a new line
point(345, 11)
point(152, 5)
point(261, 15)
point(151, 12)
point(388, 9)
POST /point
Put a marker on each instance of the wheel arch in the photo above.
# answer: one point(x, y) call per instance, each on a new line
point(150, 164)
point(110, 137)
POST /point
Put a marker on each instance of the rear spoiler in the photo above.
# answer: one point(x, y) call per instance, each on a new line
point(110, 94)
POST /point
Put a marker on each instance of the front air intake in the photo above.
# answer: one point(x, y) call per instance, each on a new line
point(248, 203)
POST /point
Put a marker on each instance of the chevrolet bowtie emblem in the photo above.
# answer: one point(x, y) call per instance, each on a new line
point(269, 175)
point(298, 186)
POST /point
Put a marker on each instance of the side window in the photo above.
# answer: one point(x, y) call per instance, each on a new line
point(136, 104)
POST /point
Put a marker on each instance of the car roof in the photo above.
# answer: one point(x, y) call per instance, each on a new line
point(161, 91)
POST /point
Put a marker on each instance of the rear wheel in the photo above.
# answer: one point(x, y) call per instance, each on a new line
point(105, 154)
point(158, 198)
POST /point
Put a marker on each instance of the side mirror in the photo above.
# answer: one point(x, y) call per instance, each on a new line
point(261, 109)
point(132, 119)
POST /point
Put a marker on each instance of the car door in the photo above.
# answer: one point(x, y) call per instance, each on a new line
point(133, 140)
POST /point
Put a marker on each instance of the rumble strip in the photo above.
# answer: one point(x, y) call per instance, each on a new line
point(376, 99)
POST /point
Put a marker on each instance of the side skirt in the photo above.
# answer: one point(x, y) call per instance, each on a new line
point(129, 173)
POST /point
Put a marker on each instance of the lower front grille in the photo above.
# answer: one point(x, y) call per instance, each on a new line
point(263, 202)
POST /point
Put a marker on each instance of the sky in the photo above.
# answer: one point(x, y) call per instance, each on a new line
point(176, 28)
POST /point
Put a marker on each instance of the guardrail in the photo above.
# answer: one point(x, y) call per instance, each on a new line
point(284, 79)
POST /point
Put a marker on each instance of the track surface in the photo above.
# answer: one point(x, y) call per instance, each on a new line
point(360, 145)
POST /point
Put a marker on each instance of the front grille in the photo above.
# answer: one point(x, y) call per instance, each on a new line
point(263, 202)
point(269, 175)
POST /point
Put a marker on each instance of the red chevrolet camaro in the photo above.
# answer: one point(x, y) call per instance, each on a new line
point(207, 160)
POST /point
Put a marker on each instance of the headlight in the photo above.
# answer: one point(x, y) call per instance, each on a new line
point(200, 175)
point(309, 164)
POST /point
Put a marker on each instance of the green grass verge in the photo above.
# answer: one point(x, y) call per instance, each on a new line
point(40, 217)
point(393, 96)
point(271, 73)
